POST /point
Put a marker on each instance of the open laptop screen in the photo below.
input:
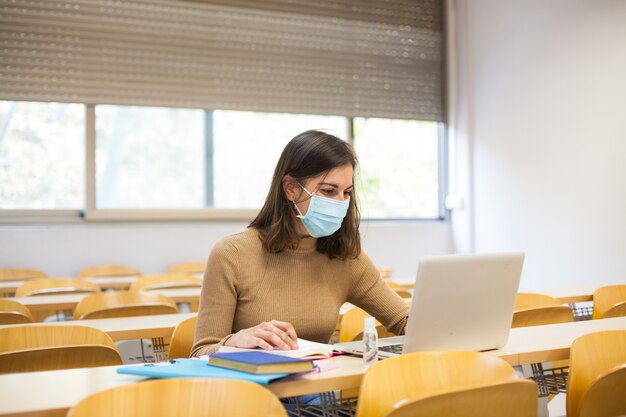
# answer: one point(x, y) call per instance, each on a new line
point(460, 302)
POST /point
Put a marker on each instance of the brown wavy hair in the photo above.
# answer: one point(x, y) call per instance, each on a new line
point(307, 155)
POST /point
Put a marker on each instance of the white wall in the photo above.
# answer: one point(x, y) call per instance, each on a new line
point(63, 249)
point(545, 135)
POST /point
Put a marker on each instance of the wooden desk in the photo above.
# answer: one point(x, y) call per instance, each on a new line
point(69, 301)
point(129, 328)
point(52, 393)
point(577, 294)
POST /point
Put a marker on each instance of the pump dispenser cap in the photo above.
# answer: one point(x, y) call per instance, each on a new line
point(370, 323)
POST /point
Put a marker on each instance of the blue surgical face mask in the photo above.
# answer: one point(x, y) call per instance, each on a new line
point(324, 216)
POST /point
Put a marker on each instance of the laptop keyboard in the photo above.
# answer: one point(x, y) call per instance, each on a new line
point(397, 348)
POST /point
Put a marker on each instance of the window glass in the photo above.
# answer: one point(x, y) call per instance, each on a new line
point(247, 146)
point(42, 155)
point(149, 157)
point(399, 168)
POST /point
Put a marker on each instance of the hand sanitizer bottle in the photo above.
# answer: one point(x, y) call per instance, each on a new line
point(370, 342)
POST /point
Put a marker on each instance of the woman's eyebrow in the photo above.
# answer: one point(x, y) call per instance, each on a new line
point(333, 185)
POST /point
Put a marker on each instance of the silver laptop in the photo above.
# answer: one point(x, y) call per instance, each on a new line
point(460, 302)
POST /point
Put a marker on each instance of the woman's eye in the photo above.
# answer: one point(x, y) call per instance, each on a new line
point(329, 192)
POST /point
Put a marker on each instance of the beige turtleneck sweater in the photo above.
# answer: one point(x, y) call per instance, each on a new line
point(245, 285)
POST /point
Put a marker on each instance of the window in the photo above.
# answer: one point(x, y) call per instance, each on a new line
point(247, 146)
point(42, 155)
point(149, 158)
point(399, 168)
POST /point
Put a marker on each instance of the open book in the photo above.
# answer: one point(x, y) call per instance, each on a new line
point(307, 350)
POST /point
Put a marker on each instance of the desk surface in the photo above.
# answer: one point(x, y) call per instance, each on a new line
point(51, 393)
point(69, 301)
point(139, 327)
point(128, 328)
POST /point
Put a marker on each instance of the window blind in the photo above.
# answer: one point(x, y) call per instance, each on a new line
point(380, 58)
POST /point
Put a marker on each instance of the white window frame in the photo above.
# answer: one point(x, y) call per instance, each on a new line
point(92, 214)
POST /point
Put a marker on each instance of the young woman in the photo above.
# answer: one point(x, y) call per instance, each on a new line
point(288, 274)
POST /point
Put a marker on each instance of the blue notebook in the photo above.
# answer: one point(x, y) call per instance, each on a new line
point(194, 368)
point(260, 362)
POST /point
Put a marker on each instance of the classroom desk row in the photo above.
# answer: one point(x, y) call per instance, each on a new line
point(578, 294)
point(7, 288)
point(52, 393)
point(62, 302)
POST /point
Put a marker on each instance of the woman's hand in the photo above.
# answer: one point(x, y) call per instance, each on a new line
point(267, 336)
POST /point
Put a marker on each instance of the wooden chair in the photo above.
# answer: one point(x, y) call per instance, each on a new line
point(182, 397)
point(45, 347)
point(423, 380)
point(108, 271)
point(123, 304)
point(597, 376)
point(189, 268)
point(503, 399)
point(609, 301)
point(182, 339)
point(351, 326)
point(12, 312)
point(112, 304)
point(524, 300)
point(52, 286)
point(538, 309)
point(12, 274)
point(605, 397)
point(164, 281)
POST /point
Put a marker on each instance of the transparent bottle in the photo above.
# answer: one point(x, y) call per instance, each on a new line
point(370, 342)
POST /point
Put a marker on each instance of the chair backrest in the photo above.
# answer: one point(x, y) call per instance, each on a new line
point(516, 398)
point(609, 301)
point(50, 286)
point(351, 326)
point(542, 315)
point(45, 347)
point(192, 268)
point(14, 274)
point(12, 312)
point(524, 300)
point(592, 356)
point(163, 281)
point(182, 339)
point(108, 271)
point(605, 396)
point(111, 304)
point(182, 397)
point(406, 378)
point(538, 309)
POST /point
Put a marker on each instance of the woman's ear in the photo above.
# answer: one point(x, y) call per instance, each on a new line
point(290, 187)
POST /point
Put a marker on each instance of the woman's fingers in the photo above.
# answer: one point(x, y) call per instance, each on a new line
point(273, 338)
point(267, 336)
point(289, 331)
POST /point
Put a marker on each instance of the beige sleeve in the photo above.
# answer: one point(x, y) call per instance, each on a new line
point(373, 295)
point(218, 300)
